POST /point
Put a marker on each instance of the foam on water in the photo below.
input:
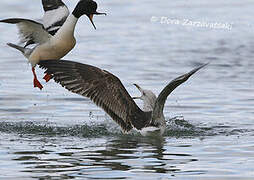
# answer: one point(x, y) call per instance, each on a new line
point(176, 127)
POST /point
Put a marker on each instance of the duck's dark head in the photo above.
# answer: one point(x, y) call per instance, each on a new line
point(88, 8)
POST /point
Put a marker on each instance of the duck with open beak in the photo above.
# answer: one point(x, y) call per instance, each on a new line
point(91, 17)
point(88, 8)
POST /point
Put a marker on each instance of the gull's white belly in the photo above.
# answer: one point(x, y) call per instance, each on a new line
point(152, 131)
point(149, 131)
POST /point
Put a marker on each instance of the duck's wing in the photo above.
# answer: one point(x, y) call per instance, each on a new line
point(29, 30)
point(160, 101)
point(56, 12)
point(102, 87)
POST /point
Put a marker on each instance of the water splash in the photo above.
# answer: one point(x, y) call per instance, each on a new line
point(176, 127)
point(85, 130)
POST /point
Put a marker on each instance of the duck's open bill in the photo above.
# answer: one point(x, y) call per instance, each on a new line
point(91, 17)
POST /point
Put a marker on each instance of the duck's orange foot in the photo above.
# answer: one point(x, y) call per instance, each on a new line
point(47, 77)
point(37, 84)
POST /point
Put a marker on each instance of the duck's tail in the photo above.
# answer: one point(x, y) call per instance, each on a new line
point(25, 51)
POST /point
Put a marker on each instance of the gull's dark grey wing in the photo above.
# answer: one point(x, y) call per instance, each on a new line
point(102, 87)
point(160, 101)
point(56, 12)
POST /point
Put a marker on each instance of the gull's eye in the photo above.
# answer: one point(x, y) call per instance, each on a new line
point(144, 94)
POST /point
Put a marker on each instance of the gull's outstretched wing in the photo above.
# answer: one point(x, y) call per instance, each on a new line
point(160, 101)
point(56, 12)
point(29, 30)
point(102, 87)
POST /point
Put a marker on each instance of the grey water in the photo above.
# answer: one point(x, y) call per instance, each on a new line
point(54, 134)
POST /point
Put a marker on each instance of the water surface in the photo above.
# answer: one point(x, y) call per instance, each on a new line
point(54, 134)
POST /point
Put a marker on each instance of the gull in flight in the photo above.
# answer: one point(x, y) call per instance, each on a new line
point(107, 92)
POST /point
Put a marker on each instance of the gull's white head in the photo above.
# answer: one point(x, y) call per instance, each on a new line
point(148, 98)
